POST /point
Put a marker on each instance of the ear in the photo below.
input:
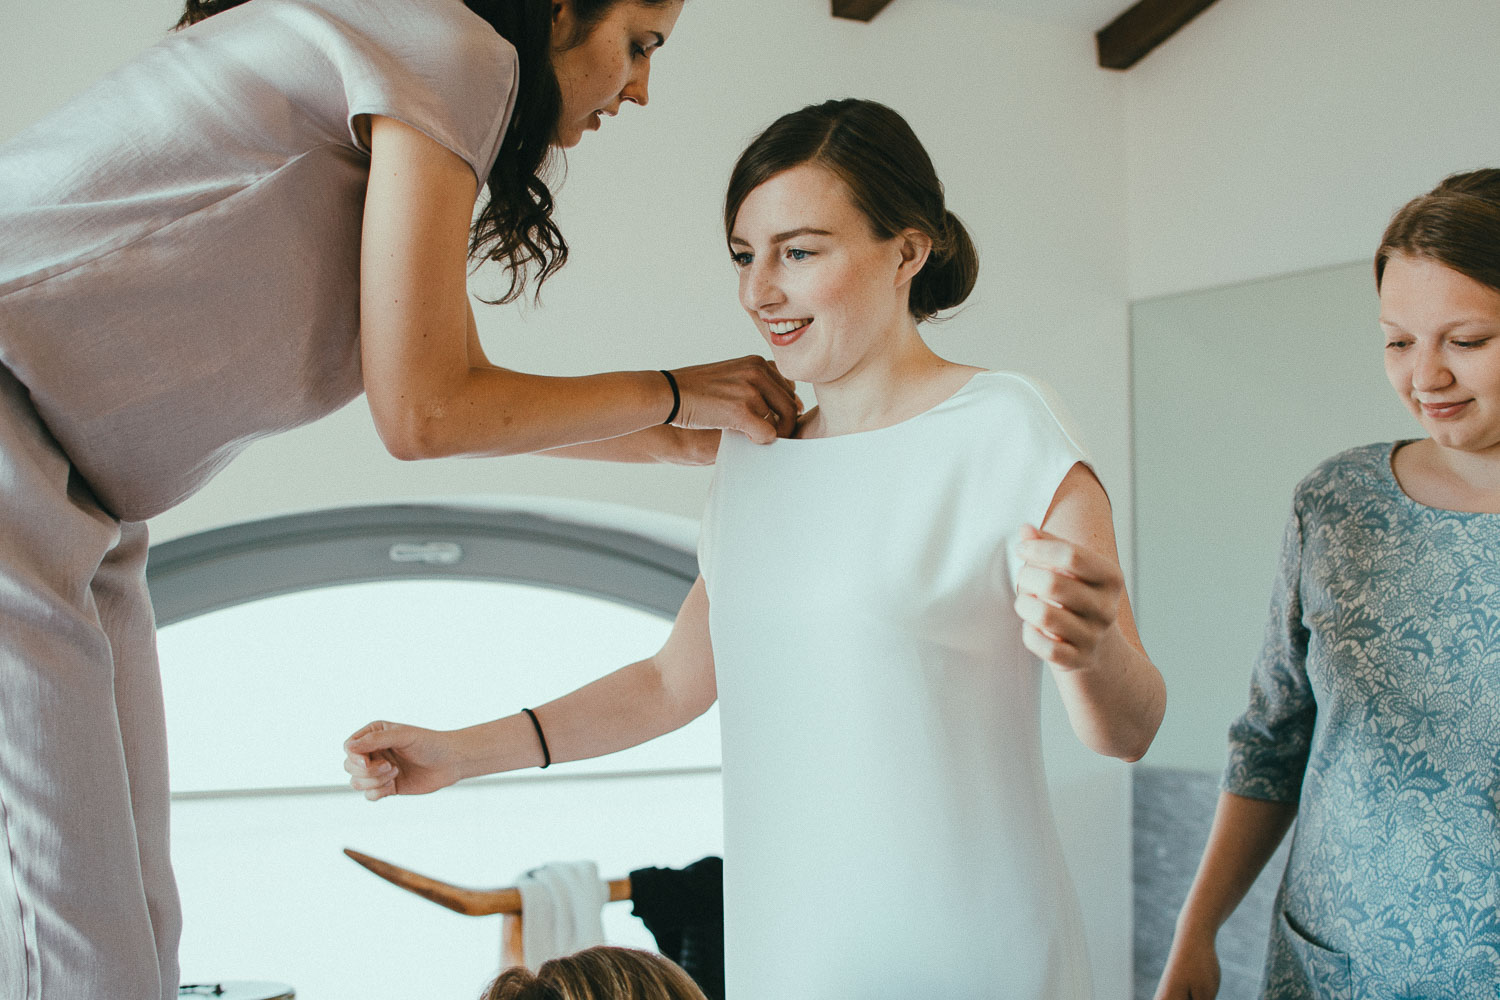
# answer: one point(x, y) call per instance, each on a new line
point(915, 246)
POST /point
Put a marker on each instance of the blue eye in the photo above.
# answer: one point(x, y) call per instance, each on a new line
point(796, 253)
point(740, 259)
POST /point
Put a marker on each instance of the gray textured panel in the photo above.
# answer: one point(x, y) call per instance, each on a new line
point(1173, 810)
point(1238, 392)
point(244, 562)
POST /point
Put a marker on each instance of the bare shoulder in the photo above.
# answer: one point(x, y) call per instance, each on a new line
point(1080, 511)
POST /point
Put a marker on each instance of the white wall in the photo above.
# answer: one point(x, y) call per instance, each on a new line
point(1027, 135)
point(1203, 583)
point(1272, 136)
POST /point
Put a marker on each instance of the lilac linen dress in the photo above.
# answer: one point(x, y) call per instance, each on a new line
point(179, 275)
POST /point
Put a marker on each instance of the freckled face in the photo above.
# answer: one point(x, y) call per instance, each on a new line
point(822, 289)
point(1442, 355)
point(611, 65)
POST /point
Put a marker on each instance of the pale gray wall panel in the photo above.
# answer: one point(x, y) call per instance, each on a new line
point(1238, 392)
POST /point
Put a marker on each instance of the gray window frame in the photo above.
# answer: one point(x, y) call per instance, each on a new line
point(223, 567)
point(253, 560)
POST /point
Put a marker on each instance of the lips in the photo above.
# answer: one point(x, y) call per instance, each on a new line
point(1444, 411)
point(789, 330)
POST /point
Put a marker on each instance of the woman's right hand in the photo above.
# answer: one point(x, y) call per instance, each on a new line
point(1192, 971)
point(747, 395)
point(387, 758)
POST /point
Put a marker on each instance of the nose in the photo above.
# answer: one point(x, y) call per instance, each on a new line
point(758, 289)
point(635, 90)
point(1430, 371)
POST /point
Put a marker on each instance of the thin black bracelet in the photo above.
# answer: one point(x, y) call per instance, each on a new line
point(676, 397)
point(546, 754)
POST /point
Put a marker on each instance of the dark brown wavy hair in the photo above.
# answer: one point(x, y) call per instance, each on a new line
point(1456, 224)
point(515, 225)
point(602, 973)
point(890, 179)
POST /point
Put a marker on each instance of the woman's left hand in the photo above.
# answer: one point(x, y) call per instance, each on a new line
point(1068, 598)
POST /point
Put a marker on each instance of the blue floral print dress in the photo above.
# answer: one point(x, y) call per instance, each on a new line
point(1375, 706)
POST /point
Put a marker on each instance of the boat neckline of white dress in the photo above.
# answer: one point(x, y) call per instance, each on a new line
point(940, 404)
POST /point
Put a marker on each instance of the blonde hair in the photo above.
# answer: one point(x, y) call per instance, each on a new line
point(602, 973)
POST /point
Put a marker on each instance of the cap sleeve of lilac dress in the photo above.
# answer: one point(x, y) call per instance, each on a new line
point(181, 270)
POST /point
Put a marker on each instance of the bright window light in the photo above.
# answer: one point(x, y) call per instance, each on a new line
point(260, 697)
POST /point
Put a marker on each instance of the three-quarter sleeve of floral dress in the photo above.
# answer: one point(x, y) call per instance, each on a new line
point(1269, 743)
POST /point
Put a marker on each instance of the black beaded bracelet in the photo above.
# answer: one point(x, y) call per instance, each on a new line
point(676, 397)
point(546, 754)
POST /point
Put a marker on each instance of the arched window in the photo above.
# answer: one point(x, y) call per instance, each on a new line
point(280, 637)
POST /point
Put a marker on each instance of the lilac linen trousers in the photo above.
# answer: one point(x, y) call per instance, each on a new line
point(179, 275)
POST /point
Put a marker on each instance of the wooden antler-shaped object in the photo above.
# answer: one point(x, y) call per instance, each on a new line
point(471, 902)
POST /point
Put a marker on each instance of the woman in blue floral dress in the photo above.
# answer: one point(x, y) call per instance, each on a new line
point(1374, 715)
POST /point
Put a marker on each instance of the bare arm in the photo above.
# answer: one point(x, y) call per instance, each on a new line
point(661, 443)
point(1071, 595)
point(654, 444)
point(622, 709)
point(1244, 835)
point(427, 396)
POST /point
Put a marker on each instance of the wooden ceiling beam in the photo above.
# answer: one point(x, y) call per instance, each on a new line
point(1126, 40)
point(858, 10)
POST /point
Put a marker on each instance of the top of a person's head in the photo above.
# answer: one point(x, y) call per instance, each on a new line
point(601, 973)
point(586, 13)
point(1456, 224)
point(889, 177)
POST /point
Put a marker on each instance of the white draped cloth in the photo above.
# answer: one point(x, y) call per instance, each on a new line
point(561, 907)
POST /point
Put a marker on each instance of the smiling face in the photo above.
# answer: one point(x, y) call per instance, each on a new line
point(609, 65)
point(825, 292)
point(1442, 354)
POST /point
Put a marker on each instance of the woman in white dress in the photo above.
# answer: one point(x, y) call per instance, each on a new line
point(887, 828)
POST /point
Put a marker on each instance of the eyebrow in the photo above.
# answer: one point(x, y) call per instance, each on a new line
point(1457, 324)
point(789, 234)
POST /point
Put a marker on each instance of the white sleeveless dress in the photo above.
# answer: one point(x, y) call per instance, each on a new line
point(888, 832)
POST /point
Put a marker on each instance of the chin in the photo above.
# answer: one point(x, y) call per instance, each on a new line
point(788, 367)
point(798, 373)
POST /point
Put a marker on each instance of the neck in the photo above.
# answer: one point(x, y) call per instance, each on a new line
point(893, 384)
point(1476, 471)
point(1450, 478)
